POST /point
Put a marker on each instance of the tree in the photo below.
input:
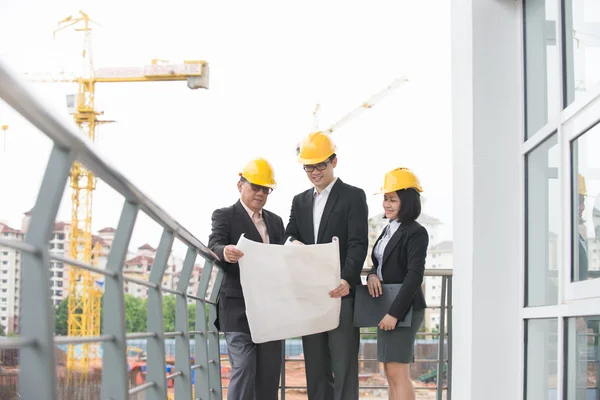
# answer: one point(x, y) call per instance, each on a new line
point(2, 333)
point(61, 318)
point(136, 314)
point(169, 313)
point(192, 316)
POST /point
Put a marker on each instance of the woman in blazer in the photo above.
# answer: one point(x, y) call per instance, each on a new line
point(399, 257)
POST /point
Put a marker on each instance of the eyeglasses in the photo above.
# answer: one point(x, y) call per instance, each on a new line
point(258, 188)
point(322, 166)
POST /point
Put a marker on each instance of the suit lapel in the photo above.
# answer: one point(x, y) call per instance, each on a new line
point(331, 199)
point(308, 204)
point(249, 229)
point(270, 229)
point(373, 258)
point(392, 243)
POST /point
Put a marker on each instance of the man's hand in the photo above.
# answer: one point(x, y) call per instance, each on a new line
point(388, 323)
point(341, 290)
point(232, 254)
point(297, 242)
point(374, 286)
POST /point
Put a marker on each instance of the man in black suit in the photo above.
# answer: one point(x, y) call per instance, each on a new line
point(330, 209)
point(255, 368)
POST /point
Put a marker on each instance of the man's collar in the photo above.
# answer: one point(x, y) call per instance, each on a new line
point(327, 189)
point(249, 211)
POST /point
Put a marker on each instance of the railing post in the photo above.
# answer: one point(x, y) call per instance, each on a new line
point(201, 381)
point(283, 370)
point(214, 348)
point(183, 383)
point(115, 384)
point(37, 317)
point(441, 340)
point(449, 373)
point(156, 365)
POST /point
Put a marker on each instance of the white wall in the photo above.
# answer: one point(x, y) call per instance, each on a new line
point(486, 97)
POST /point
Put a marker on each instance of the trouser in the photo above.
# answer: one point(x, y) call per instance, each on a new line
point(331, 359)
point(255, 368)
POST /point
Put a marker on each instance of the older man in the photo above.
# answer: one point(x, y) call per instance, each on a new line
point(255, 368)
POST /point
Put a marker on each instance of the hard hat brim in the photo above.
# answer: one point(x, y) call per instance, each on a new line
point(272, 185)
point(310, 161)
point(390, 190)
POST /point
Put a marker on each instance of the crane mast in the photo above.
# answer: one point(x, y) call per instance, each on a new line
point(84, 294)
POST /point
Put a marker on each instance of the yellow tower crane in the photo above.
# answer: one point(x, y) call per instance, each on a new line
point(84, 293)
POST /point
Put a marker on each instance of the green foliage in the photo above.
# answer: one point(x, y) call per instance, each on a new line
point(136, 315)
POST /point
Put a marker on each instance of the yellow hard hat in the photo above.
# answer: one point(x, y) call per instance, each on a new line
point(581, 185)
point(260, 172)
point(315, 148)
point(398, 179)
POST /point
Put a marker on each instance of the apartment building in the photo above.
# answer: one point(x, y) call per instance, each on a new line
point(10, 276)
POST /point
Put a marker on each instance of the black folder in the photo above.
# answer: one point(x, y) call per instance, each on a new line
point(369, 311)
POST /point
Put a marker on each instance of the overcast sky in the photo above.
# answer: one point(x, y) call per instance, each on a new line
point(271, 63)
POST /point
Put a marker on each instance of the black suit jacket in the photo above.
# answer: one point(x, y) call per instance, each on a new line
point(228, 224)
point(404, 262)
point(345, 216)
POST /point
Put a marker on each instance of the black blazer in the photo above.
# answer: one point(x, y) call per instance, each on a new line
point(404, 262)
point(345, 216)
point(228, 224)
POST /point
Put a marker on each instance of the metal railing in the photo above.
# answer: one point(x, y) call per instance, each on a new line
point(444, 350)
point(37, 377)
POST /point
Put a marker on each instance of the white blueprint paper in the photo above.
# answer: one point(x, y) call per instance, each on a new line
point(286, 288)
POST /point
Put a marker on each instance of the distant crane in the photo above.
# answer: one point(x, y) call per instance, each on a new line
point(84, 294)
point(376, 98)
point(4, 129)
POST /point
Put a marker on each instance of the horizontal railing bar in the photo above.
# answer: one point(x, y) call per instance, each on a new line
point(439, 272)
point(365, 387)
point(140, 335)
point(173, 291)
point(15, 343)
point(173, 334)
point(191, 296)
point(196, 333)
point(142, 387)
point(19, 245)
point(428, 272)
point(79, 264)
point(417, 360)
point(418, 333)
point(174, 375)
point(197, 366)
point(84, 339)
point(140, 282)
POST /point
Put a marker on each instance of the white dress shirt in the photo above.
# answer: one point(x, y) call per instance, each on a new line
point(389, 231)
point(320, 199)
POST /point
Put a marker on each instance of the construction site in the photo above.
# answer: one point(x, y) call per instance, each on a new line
point(90, 267)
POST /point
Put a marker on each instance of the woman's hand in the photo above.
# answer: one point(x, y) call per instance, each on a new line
point(388, 323)
point(374, 286)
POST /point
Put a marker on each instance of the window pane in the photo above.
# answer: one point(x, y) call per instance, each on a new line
point(543, 224)
point(582, 47)
point(582, 372)
point(541, 377)
point(542, 69)
point(586, 206)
